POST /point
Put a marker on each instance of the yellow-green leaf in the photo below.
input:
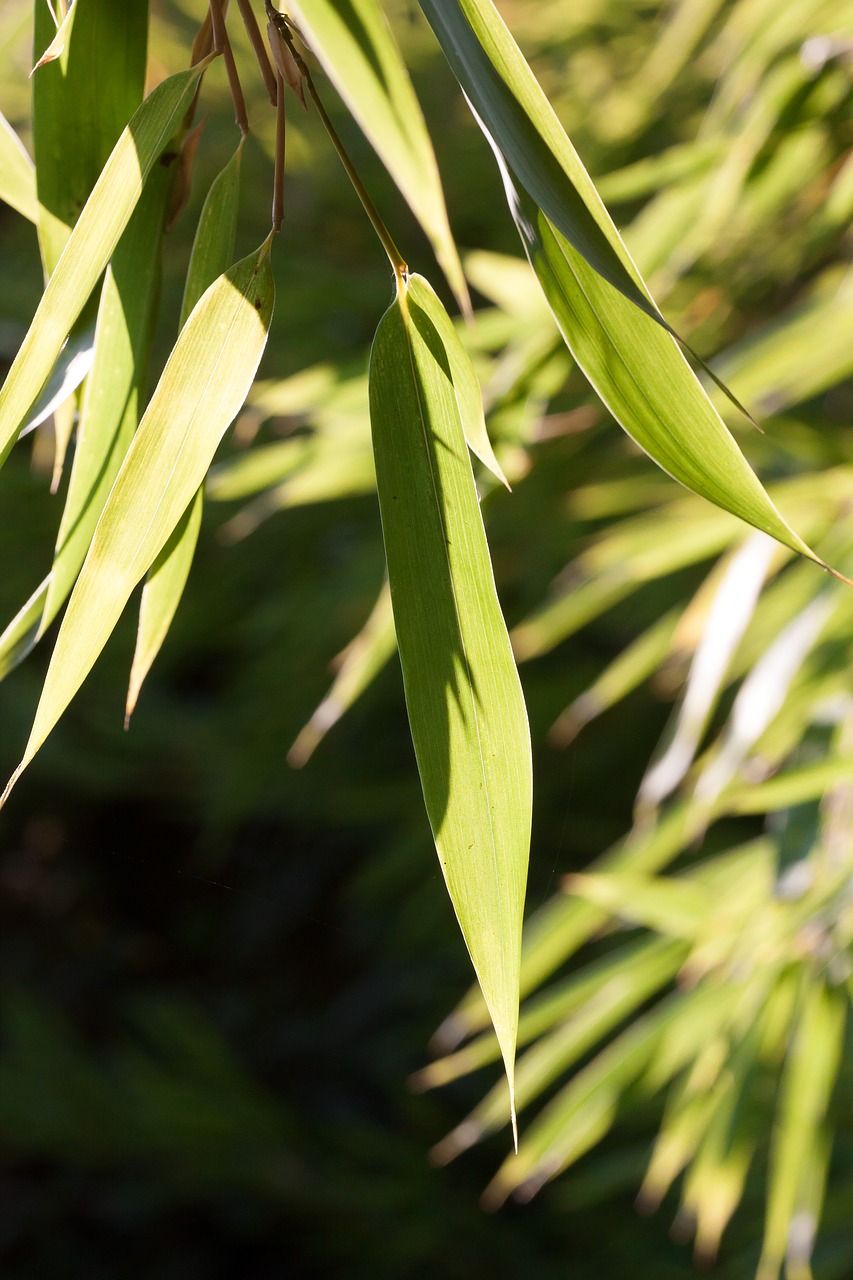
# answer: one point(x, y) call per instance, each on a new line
point(206, 380)
point(463, 694)
point(91, 244)
point(17, 173)
point(359, 54)
point(213, 250)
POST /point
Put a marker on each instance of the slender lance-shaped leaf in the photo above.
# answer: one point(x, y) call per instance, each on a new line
point(213, 250)
point(810, 1073)
point(91, 245)
point(466, 710)
point(643, 378)
point(110, 412)
point(360, 663)
point(360, 56)
point(206, 380)
point(17, 173)
point(524, 128)
point(81, 103)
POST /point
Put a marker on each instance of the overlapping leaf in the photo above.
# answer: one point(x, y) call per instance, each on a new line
point(463, 695)
point(205, 382)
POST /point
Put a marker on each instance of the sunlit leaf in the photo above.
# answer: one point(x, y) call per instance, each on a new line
point(91, 245)
point(213, 251)
point(17, 173)
point(466, 710)
point(205, 382)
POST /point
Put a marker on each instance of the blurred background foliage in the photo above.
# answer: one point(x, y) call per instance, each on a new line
point(219, 969)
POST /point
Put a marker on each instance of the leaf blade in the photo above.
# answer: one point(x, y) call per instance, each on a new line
point(466, 710)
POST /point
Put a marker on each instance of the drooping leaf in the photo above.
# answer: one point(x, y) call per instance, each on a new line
point(91, 245)
point(359, 54)
point(641, 375)
point(213, 250)
point(109, 413)
point(17, 173)
point(206, 380)
point(463, 695)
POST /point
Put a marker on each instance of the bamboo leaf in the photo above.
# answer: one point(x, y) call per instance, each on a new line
point(641, 375)
point(463, 694)
point(17, 173)
point(810, 1072)
point(88, 95)
point(57, 44)
point(213, 250)
point(359, 664)
point(91, 244)
point(522, 125)
point(205, 382)
point(360, 56)
point(109, 413)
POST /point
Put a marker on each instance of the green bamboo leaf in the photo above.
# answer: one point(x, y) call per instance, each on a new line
point(627, 988)
point(17, 173)
point(810, 1073)
point(161, 596)
point(468, 398)
point(88, 95)
point(358, 665)
point(110, 409)
point(20, 635)
point(206, 380)
point(463, 694)
point(516, 116)
point(213, 250)
point(360, 56)
point(91, 245)
point(641, 375)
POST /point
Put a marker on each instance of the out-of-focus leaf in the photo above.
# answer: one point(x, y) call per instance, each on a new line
point(631, 667)
point(762, 694)
point(359, 664)
point(205, 382)
point(359, 54)
point(809, 1078)
point(616, 999)
point(212, 252)
point(733, 605)
point(466, 710)
point(17, 173)
point(673, 907)
point(91, 245)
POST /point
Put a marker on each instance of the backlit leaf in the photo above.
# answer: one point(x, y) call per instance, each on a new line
point(359, 54)
point(463, 694)
point(205, 382)
point(91, 245)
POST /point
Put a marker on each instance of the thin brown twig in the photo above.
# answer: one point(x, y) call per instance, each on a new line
point(222, 44)
point(257, 41)
point(280, 134)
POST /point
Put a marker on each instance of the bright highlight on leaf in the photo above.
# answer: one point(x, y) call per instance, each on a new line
point(466, 710)
point(90, 246)
point(203, 386)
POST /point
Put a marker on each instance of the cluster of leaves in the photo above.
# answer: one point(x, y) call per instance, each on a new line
point(756, 951)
